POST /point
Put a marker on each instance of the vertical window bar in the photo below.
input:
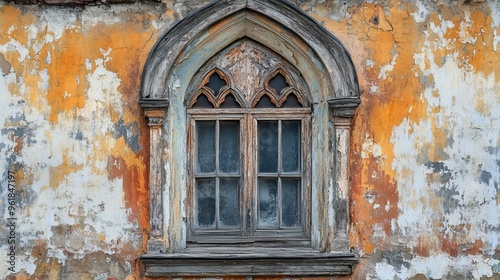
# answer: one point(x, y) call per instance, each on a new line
point(279, 174)
point(279, 149)
point(217, 174)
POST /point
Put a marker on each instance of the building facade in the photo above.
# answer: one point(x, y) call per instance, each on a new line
point(264, 139)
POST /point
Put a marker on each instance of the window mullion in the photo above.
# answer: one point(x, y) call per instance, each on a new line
point(252, 174)
point(217, 175)
point(279, 173)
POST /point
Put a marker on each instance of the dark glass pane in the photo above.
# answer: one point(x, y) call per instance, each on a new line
point(228, 202)
point(268, 203)
point(215, 83)
point(292, 102)
point(202, 102)
point(278, 82)
point(229, 152)
point(230, 102)
point(290, 197)
point(205, 193)
point(205, 141)
point(265, 102)
point(290, 144)
point(268, 146)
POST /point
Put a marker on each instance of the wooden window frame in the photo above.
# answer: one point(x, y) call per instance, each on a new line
point(334, 95)
point(248, 206)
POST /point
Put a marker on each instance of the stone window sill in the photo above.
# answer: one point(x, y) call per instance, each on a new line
point(227, 261)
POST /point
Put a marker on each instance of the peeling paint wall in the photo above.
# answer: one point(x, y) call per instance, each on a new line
point(425, 194)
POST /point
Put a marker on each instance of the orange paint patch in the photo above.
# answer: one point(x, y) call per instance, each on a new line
point(470, 39)
point(58, 173)
point(374, 205)
point(12, 22)
point(123, 163)
point(66, 75)
point(422, 248)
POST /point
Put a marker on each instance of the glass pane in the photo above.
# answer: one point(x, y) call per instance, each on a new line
point(268, 146)
point(290, 144)
point(290, 197)
point(216, 83)
point(229, 152)
point(268, 203)
point(202, 102)
point(228, 202)
point(278, 82)
point(265, 102)
point(291, 102)
point(205, 193)
point(205, 140)
point(230, 102)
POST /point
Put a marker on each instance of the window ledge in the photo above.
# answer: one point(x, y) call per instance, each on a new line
point(248, 261)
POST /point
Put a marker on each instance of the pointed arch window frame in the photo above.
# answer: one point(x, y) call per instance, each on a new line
point(330, 254)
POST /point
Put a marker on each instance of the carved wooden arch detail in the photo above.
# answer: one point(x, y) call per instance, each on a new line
point(279, 98)
point(215, 98)
point(236, 14)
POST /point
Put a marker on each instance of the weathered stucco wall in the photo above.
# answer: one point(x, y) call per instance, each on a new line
point(425, 198)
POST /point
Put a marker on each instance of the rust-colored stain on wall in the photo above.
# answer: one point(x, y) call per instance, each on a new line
point(425, 153)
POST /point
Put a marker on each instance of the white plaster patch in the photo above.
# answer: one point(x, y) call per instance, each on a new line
point(458, 197)
point(438, 266)
point(496, 40)
point(386, 69)
point(57, 21)
point(14, 46)
point(385, 271)
point(370, 63)
point(369, 148)
point(495, 12)
point(44, 83)
point(48, 60)
point(88, 64)
point(422, 13)
point(11, 29)
point(464, 35)
point(97, 216)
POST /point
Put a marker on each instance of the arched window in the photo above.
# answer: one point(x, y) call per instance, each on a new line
point(249, 137)
point(249, 106)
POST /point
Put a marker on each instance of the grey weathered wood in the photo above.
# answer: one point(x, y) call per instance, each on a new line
point(235, 261)
point(343, 111)
point(155, 115)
